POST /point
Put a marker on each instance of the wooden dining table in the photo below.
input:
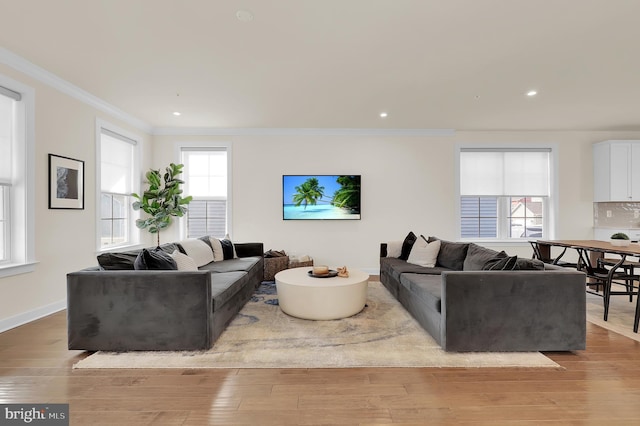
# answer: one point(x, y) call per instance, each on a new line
point(588, 253)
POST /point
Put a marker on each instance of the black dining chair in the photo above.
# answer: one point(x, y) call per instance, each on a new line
point(552, 261)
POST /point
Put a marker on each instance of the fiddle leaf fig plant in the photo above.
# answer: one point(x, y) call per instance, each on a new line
point(162, 200)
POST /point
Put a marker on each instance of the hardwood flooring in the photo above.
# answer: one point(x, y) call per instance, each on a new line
point(600, 385)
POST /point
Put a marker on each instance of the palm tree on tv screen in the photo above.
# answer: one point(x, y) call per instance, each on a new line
point(348, 196)
point(308, 193)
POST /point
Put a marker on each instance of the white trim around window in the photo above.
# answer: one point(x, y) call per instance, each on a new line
point(551, 207)
point(133, 234)
point(179, 147)
point(22, 227)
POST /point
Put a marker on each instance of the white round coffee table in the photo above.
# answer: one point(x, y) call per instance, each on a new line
point(306, 297)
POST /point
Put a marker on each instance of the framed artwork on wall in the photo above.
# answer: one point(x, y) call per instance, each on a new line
point(66, 183)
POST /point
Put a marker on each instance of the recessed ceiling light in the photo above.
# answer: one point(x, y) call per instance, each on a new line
point(176, 113)
point(383, 115)
point(532, 93)
point(244, 16)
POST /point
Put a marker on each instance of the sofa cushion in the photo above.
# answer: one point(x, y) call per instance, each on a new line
point(184, 262)
point(502, 264)
point(155, 259)
point(225, 285)
point(408, 242)
point(395, 267)
point(451, 254)
point(198, 250)
point(427, 288)
point(424, 253)
point(478, 256)
point(239, 264)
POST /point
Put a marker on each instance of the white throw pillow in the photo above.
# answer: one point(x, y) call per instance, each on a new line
point(394, 248)
point(198, 250)
point(184, 262)
point(218, 255)
point(424, 253)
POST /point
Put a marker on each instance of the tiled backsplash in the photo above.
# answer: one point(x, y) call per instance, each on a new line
point(616, 215)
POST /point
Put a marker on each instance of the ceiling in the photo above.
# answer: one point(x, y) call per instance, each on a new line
point(431, 64)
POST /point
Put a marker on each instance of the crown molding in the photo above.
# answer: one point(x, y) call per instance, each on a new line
point(211, 131)
point(32, 70)
point(40, 74)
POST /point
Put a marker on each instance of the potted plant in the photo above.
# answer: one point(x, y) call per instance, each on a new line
point(162, 200)
point(620, 239)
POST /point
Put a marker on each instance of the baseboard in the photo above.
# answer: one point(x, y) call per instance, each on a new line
point(26, 317)
point(371, 271)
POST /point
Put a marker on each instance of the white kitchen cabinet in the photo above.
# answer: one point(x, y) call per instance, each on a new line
point(616, 171)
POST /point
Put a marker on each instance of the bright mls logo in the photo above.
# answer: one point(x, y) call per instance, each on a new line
point(37, 414)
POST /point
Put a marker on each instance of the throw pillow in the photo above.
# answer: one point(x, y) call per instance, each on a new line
point(394, 248)
point(424, 253)
point(451, 254)
point(529, 264)
point(502, 264)
point(198, 250)
point(408, 242)
point(184, 262)
point(222, 249)
point(478, 256)
point(118, 261)
point(154, 259)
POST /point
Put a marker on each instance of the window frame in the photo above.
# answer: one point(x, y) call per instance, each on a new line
point(21, 200)
point(200, 145)
point(134, 232)
point(550, 211)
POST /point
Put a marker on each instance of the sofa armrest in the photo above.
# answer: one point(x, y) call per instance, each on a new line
point(249, 249)
point(139, 310)
point(513, 310)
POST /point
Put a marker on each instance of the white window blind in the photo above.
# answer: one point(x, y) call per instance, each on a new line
point(117, 163)
point(206, 172)
point(7, 114)
point(505, 172)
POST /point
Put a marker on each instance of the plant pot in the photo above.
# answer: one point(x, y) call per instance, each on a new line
point(620, 243)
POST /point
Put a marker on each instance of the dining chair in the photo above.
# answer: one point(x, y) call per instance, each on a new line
point(537, 254)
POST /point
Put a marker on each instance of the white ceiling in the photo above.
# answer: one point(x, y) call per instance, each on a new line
point(457, 64)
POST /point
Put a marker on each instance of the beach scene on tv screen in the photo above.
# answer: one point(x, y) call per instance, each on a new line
point(321, 197)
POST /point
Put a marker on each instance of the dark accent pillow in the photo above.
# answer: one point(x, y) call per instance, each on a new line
point(451, 255)
point(227, 249)
point(530, 264)
point(171, 247)
point(155, 259)
point(508, 263)
point(407, 244)
point(478, 256)
point(118, 261)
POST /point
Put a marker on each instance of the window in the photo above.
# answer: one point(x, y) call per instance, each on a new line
point(118, 166)
point(205, 176)
point(505, 193)
point(16, 178)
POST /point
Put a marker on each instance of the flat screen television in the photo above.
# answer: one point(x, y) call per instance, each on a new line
point(321, 197)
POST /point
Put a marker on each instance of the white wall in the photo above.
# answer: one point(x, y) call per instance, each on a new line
point(408, 184)
point(65, 239)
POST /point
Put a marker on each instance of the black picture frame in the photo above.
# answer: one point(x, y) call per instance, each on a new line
point(66, 183)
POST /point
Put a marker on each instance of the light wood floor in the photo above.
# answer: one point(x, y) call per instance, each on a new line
point(600, 385)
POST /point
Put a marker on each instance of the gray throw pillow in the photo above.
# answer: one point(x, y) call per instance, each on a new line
point(118, 261)
point(502, 264)
point(155, 259)
point(451, 255)
point(529, 264)
point(478, 256)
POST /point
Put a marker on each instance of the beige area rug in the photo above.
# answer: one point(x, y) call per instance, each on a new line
point(621, 313)
point(262, 336)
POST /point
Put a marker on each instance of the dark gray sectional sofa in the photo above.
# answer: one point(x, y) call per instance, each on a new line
point(124, 309)
point(533, 307)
